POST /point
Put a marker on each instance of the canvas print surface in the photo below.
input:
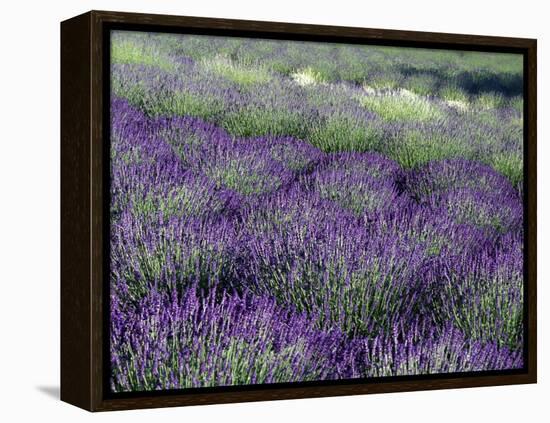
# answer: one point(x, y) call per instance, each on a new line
point(285, 211)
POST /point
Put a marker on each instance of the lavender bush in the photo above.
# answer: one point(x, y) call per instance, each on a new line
point(285, 211)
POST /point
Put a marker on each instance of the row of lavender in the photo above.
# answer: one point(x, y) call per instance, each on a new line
point(242, 86)
point(238, 260)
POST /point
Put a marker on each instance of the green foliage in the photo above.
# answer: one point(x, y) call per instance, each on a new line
point(517, 103)
point(401, 107)
point(187, 104)
point(180, 201)
point(308, 76)
point(239, 177)
point(473, 83)
point(490, 101)
point(170, 103)
point(343, 133)
point(453, 93)
point(510, 164)
point(130, 52)
point(240, 73)
point(359, 201)
point(135, 93)
point(344, 298)
point(386, 80)
point(488, 313)
point(422, 84)
point(252, 121)
point(468, 211)
point(414, 148)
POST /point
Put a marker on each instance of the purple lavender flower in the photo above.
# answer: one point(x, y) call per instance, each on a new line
point(294, 154)
point(364, 183)
point(483, 295)
point(179, 341)
point(312, 254)
point(485, 210)
point(370, 164)
point(280, 213)
point(422, 348)
point(438, 177)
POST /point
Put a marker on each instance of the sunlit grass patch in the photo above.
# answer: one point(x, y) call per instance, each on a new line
point(240, 73)
point(307, 76)
point(510, 164)
point(128, 52)
point(341, 133)
point(453, 93)
point(455, 97)
point(490, 101)
point(401, 106)
point(459, 105)
point(370, 90)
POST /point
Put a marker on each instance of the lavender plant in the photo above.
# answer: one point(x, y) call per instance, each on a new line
point(314, 255)
point(288, 211)
point(182, 341)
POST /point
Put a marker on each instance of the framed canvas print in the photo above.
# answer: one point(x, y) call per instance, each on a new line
point(256, 211)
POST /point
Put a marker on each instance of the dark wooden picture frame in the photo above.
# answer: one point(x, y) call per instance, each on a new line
point(84, 212)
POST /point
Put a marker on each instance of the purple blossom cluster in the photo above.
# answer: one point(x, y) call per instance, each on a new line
point(282, 232)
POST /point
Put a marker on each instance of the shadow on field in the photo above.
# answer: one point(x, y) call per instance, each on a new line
point(473, 82)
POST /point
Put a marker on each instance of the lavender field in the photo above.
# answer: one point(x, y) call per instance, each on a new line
point(286, 211)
